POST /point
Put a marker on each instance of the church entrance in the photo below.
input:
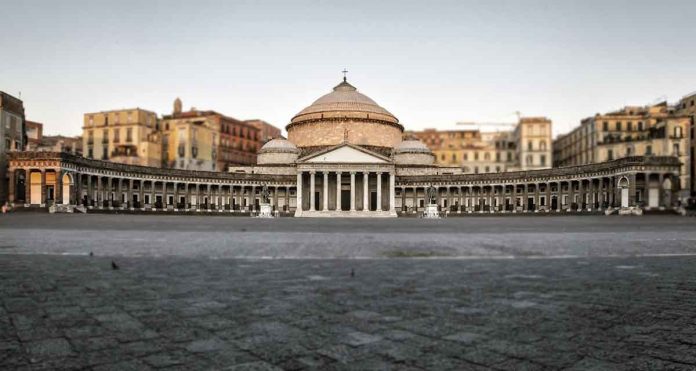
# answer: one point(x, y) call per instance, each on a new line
point(554, 203)
point(345, 200)
point(373, 201)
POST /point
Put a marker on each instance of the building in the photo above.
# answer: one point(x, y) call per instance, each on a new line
point(12, 136)
point(687, 107)
point(34, 134)
point(656, 130)
point(526, 147)
point(345, 157)
point(266, 130)
point(207, 140)
point(128, 136)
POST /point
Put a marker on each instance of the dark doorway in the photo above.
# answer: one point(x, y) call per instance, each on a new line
point(530, 204)
point(317, 199)
point(345, 199)
point(554, 203)
point(50, 194)
point(373, 201)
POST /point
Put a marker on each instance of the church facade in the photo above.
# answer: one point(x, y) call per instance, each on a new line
point(344, 157)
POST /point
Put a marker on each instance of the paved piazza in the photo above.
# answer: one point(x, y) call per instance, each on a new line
point(194, 292)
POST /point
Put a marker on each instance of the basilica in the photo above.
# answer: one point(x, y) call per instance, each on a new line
point(344, 156)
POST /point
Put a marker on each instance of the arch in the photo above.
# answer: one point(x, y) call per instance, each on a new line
point(68, 184)
point(623, 186)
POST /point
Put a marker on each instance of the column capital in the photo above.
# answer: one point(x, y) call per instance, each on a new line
point(312, 172)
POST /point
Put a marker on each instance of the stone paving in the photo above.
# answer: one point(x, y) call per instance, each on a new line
point(185, 310)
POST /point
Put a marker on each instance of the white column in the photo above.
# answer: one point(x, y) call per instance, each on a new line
point(352, 191)
point(325, 207)
point(392, 196)
point(379, 191)
point(298, 192)
point(338, 190)
point(366, 177)
point(311, 191)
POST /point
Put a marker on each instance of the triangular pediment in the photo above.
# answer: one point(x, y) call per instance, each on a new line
point(346, 153)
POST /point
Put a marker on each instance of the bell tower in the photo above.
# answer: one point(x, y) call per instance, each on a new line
point(177, 106)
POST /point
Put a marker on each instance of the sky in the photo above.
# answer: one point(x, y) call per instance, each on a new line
point(430, 63)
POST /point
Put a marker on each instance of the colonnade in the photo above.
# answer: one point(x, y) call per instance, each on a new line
point(588, 194)
point(351, 191)
point(97, 191)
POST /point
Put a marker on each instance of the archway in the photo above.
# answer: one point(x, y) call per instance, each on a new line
point(623, 186)
point(67, 188)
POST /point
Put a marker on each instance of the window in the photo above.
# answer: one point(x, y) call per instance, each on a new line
point(454, 157)
point(497, 157)
point(129, 135)
point(487, 157)
point(105, 154)
point(640, 125)
point(605, 126)
point(629, 151)
point(676, 149)
point(529, 145)
point(117, 136)
point(116, 118)
point(476, 156)
point(677, 131)
point(90, 152)
point(529, 160)
point(488, 169)
point(497, 169)
point(509, 156)
point(475, 169)
point(629, 126)
point(466, 156)
point(618, 126)
point(543, 160)
point(648, 150)
point(610, 155)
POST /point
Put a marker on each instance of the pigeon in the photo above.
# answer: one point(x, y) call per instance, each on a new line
point(114, 266)
point(352, 272)
point(91, 253)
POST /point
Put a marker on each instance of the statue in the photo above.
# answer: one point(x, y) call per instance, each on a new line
point(432, 194)
point(265, 194)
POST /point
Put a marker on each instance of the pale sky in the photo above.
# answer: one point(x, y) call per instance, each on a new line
point(431, 63)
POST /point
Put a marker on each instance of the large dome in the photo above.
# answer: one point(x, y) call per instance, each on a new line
point(345, 99)
point(277, 151)
point(344, 116)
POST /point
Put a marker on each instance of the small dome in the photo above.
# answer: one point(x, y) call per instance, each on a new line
point(412, 146)
point(279, 145)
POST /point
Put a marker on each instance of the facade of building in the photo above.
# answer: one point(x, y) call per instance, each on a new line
point(656, 130)
point(207, 140)
point(345, 157)
point(128, 136)
point(12, 136)
point(266, 130)
point(34, 134)
point(526, 147)
point(687, 107)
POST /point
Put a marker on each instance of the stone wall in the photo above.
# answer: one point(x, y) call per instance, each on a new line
point(334, 132)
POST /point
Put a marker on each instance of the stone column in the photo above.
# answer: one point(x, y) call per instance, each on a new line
point(581, 194)
point(77, 190)
point(352, 191)
point(275, 197)
point(141, 194)
point(312, 207)
point(176, 196)
point(403, 199)
point(415, 199)
point(11, 186)
point(338, 190)
point(100, 193)
point(129, 194)
point(287, 197)
point(59, 188)
point(571, 194)
point(525, 202)
point(392, 192)
point(366, 189)
point(379, 192)
point(514, 198)
point(209, 196)
point(461, 198)
point(447, 197)
point(298, 192)
point(325, 203)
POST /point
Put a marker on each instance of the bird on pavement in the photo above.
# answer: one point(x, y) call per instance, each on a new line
point(91, 253)
point(114, 266)
point(352, 272)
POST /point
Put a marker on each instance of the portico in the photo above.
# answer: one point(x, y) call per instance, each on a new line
point(345, 180)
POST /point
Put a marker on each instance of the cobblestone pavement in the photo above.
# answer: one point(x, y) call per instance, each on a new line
point(244, 314)
point(181, 303)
